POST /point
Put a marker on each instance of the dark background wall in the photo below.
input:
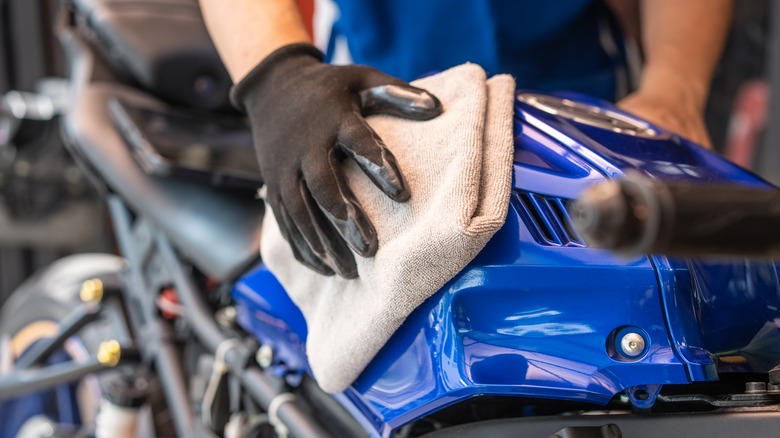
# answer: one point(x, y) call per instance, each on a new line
point(47, 210)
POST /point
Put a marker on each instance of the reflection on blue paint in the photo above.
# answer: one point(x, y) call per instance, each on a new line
point(536, 320)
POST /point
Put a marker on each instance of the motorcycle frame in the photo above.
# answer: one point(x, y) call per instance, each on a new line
point(146, 336)
point(151, 263)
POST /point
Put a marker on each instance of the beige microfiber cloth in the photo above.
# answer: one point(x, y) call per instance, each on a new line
point(459, 170)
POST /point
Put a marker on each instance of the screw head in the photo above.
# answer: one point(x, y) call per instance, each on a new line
point(265, 356)
point(109, 353)
point(91, 290)
point(755, 387)
point(227, 316)
point(632, 344)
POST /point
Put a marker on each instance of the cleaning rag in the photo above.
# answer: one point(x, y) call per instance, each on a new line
point(458, 167)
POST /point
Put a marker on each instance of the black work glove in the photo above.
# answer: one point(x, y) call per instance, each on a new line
point(306, 118)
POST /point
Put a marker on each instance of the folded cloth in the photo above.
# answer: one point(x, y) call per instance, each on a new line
point(459, 170)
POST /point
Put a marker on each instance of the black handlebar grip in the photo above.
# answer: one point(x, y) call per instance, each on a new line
point(637, 215)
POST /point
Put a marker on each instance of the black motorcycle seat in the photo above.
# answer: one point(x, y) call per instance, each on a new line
point(218, 230)
point(161, 44)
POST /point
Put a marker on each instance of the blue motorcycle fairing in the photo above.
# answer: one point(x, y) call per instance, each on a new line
point(538, 313)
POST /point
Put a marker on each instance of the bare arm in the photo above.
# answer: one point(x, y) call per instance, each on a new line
point(682, 42)
point(246, 31)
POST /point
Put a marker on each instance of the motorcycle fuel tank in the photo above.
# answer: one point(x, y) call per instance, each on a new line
point(538, 313)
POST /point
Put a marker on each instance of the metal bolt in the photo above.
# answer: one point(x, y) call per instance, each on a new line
point(755, 387)
point(226, 316)
point(109, 353)
point(265, 356)
point(91, 290)
point(632, 344)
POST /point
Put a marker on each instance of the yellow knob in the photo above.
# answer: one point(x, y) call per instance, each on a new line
point(91, 290)
point(109, 353)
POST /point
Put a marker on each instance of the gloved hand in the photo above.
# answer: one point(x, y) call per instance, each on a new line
point(307, 117)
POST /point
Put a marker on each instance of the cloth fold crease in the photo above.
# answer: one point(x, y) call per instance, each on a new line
point(459, 170)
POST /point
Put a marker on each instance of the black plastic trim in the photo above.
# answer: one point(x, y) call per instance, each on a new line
point(719, 424)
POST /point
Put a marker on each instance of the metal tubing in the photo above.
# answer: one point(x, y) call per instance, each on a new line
point(166, 358)
point(136, 293)
point(198, 314)
point(76, 319)
point(168, 366)
point(263, 387)
point(29, 380)
point(301, 424)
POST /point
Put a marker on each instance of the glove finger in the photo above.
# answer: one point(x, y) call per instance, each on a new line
point(331, 192)
point(383, 94)
point(320, 237)
point(300, 248)
point(291, 195)
point(340, 257)
point(361, 143)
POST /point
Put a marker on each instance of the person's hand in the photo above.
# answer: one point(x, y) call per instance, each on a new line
point(306, 118)
point(669, 113)
point(676, 108)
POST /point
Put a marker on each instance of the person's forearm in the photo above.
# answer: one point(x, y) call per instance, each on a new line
point(683, 41)
point(246, 31)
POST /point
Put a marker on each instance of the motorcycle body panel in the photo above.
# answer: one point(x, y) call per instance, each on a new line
point(538, 313)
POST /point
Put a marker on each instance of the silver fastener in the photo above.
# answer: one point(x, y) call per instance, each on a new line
point(265, 356)
point(755, 387)
point(226, 316)
point(632, 344)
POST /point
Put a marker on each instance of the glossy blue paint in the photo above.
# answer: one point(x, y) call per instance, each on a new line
point(265, 309)
point(667, 156)
point(722, 309)
point(537, 314)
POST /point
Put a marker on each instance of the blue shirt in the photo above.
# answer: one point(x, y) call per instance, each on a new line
point(548, 45)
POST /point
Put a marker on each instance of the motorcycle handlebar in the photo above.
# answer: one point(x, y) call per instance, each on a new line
point(637, 215)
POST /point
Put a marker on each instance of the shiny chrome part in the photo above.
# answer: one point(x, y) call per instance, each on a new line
point(114, 421)
point(226, 316)
point(39, 426)
point(589, 115)
point(30, 106)
point(755, 387)
point(265, 356)
point(632, 344)
point(6, 355)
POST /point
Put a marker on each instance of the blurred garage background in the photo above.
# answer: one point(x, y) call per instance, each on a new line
point(47, 208)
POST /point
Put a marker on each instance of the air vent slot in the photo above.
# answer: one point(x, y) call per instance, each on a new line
point(547, 218)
